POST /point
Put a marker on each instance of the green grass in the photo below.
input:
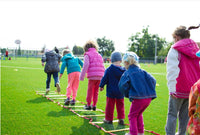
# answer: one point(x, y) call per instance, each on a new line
point(25, 112)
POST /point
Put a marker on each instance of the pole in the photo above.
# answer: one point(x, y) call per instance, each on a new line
point(155, 59)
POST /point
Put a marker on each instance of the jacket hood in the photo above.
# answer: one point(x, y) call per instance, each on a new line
point(50, 53)
point(67, 56)
point(187, 47)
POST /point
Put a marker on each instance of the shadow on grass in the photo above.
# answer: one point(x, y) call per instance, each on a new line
point(37, 100)
point(63, 112)
point(85, 129)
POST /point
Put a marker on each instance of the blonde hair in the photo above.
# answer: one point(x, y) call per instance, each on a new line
point(65, 51)
point(130, 58)
point(90, 44)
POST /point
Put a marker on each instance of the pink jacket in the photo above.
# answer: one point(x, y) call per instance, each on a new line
point(93, 65)
point(189, 65)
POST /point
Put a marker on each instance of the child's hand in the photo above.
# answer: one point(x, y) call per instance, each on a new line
point(101, 89)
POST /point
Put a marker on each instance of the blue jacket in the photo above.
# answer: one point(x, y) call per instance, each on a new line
point(136, 83)
point(72, 63)
point(111, 78)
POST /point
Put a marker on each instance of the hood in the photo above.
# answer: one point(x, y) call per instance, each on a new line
point(67, 56)
point(51, 53)
point(187, 47)
point(117, 72)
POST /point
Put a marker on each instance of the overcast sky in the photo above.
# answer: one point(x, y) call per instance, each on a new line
point(68, 22)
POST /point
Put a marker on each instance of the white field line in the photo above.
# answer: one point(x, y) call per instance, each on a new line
point(23, 67)
point(43, 69)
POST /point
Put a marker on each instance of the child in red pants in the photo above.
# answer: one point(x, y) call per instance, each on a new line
point(94, 67)
point(114, 96)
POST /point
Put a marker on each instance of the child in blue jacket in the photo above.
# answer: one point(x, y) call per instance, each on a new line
point(139, 86)
point(72, 64)
point(114, 96)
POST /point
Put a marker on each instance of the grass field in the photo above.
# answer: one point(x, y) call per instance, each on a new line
point(25, 112)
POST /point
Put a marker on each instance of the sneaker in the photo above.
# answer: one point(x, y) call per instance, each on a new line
point(94, 108)
point(107, 121)
point(86, 107)
point(58, 87)
point(72, 102)
point(47, 90)
point(127, 134)
point(67, 101)
point(121, 121)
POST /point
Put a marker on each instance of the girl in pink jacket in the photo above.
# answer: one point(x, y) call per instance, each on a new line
point(94, 67)
point(183, 70)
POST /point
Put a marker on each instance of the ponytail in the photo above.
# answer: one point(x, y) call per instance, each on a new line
point(193, 27)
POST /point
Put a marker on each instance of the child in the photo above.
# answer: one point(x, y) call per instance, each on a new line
point(93, 65)
point(73, 70)
point(52, 60)
point(111, 79)
point(193, 127)
point(139, 86)
point(183, 70)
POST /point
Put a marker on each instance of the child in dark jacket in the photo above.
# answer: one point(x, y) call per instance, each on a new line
point(139, 86)
point(114, 96)
point(52, 60)
point(72, 64)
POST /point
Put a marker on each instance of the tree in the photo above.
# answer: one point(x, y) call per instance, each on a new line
point(77, 50)
point(106, 46)
point(143, 43)
point(19, 50)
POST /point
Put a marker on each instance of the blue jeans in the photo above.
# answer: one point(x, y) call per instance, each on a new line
point(55, 77)
point(177, 107)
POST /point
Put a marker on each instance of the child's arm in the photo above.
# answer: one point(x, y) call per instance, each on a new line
point(62, 68)
point(85, 67)
point(80, 62)
point(104, 81)
point(124, 85)
point(192, 100)
point(60, 76)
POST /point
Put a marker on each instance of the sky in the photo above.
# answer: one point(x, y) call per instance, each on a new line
point(64, 23)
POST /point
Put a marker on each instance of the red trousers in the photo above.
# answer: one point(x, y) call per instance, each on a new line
point(92, 92)
point(110, 106)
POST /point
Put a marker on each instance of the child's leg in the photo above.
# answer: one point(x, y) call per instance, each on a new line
point(120, 108)
point(110, 106)
point(137, 108)
point(89, 92)
point(70, 84)
point(55, 77)
point(95, 91)
point(75, 84)
point(48, 80)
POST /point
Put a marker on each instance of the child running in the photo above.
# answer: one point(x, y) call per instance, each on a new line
point(111, 78)
point(94, 67)
point(72, 64)
point(139, 86)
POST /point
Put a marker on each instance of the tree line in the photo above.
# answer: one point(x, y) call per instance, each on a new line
point(143, 43)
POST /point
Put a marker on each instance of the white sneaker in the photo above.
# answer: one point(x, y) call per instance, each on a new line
point(47, 91)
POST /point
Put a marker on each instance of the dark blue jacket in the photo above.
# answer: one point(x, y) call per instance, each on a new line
point(136, 83)
point(111, 79)
point(52, 60)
